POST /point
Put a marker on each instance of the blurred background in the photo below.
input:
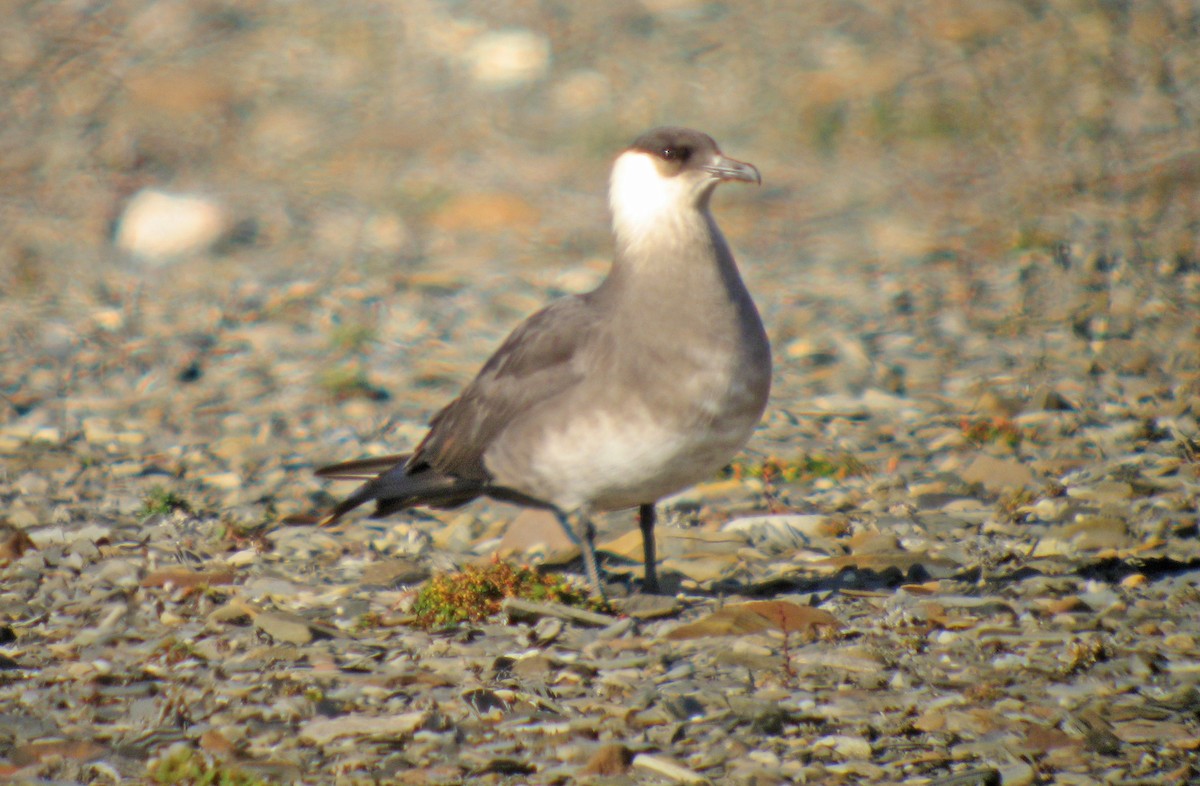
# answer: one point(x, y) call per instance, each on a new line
point(887, 130)
point(330, 133)
point(368, 185)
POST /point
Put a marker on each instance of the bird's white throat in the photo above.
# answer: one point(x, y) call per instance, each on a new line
point(650, 209)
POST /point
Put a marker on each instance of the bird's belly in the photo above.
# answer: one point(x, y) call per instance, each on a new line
point(619, 457)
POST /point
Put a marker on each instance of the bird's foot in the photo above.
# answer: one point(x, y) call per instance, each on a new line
point(580, 529)
point(646, 519)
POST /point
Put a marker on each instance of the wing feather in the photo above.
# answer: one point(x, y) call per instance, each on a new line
point(537, 362)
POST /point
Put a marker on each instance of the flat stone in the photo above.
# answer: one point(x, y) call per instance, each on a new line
point(996, 474)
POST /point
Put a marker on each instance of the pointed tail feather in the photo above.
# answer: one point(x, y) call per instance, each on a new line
point(393, 485)
point(363, 469)
point(345, 506)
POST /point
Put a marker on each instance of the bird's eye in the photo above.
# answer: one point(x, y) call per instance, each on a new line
point(676, 153)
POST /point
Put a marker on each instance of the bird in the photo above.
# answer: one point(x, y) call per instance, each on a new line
point(615, 398)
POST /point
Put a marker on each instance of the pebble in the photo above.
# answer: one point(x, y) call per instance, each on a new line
point(508, 58)
point(158, 227)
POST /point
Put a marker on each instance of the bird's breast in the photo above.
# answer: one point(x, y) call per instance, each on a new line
point(664, 413)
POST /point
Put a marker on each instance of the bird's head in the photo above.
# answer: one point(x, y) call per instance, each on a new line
point(666, 177)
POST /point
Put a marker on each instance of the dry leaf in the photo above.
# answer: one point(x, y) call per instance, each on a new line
point(610, 760)
point(755, 617)
point(928, 588)
point(216, 743)
point(728, 621)
point(13, 543)
point(389, 727)
point(792, 617)
point(73, 750)
point(186, 578)
point(1055, 606)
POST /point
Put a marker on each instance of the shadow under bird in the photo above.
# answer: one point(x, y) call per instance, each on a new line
point(615, 398)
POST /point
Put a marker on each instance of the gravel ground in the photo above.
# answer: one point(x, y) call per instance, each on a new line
point(962, 545)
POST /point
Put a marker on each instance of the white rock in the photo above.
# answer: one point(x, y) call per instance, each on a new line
point(846, 747)
point(506, 58)
point(91, 532)
point(1019, 774)
point(47, 536)
point(779, 533)
point(119, 573)
point(665, 768)
point(324, 730)
point(32, 484)
point(47, 434)
point(242, 558)
point(158, 227)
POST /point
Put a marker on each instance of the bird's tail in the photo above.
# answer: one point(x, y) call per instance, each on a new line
point(394, 484)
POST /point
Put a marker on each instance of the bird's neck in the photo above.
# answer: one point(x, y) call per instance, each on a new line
point(646, 243)
point(681, 259)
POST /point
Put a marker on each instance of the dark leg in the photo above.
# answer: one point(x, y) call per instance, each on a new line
point(649, 564)
point(580, 529)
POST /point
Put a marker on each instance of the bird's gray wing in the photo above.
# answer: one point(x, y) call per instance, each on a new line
point(537, 362)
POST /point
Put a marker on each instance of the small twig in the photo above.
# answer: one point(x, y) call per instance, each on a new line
point(788, 671)
point(528, 609)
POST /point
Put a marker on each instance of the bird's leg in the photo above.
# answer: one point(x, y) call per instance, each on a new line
point(650, 568)
point(579, 527)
